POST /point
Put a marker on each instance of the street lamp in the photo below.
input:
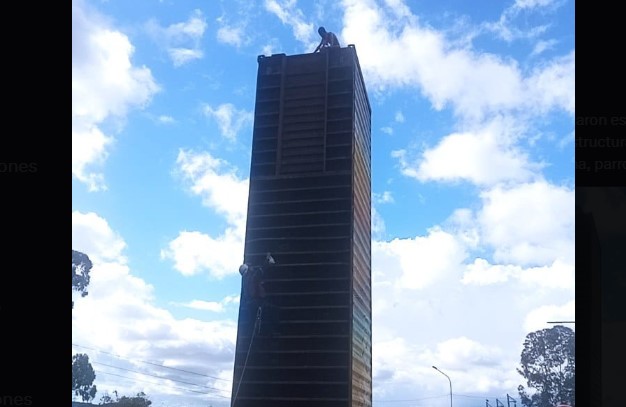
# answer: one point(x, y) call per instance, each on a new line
point(434, 367)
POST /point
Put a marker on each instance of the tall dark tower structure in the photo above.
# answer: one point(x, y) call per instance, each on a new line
point(309, 206)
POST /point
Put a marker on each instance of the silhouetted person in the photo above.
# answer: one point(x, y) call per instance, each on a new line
point(328, 39)
point(255, 300)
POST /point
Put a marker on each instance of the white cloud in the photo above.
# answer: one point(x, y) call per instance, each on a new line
point(387, 130)
point(485, 156)
point(181, 56)
point(538, 318)
point(182, 41)
point(231, 35)
point(93, 236)
point(482, 273)
point(398, 8)
point(378, 224)
point(543, 45)
point(526, 4)
point(268, 49)
point(119, 316)
point(421, 261)
point(385, 197)
point(399, 117)
point(463, 225)
point(437, 261)
point(105, 86)
point(506, 29)
point(166, 119)
point(401, 53)
point(460, 353)
point(229, 119)
point(558, 275)
point(289, 14)
point(213, 306)
point(194, 252)
point(400, 366)
point(529, 224)
point(89, 148)
point(553, 85)
point(217, 183)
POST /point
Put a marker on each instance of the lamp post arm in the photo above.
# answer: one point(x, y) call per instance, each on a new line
point(449, 380)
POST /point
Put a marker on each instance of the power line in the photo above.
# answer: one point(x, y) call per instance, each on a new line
point(217, 378)
point(476, 397)
point(146, 381)
point(150, 363)
point(158, 377)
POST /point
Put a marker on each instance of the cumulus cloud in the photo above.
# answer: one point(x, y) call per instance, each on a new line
point(194, 252)
point(462, 223)
point(538, 318)
point(182, 41)
point(400, 366)
point(552, 85)
point(216, 182)
point(485, 156)
point(221, 189)
point(421, 261)
point(529, 224)
point(213, 306)
point(402, 52)
point(558, 275)
point(229, 119)
point(105, 86)
point(119, 317)
point(93, 236)
point(462, 353)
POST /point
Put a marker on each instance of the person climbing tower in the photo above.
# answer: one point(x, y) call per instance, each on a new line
point(254, 297)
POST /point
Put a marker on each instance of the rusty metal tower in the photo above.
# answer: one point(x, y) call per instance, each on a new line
point(309, 206)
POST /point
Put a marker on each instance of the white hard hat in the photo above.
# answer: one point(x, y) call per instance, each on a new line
point(243, 269)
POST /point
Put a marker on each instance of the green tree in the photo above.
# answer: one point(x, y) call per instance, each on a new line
point(549, 367)
point(140, 400)
point(106, 398)
point(81, 266)
point(83, 376)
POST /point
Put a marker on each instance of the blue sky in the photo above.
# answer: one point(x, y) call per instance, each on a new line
point(472, 180)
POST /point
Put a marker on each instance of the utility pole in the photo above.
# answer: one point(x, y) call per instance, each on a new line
point(510, 399)
point(499, 403)
point(487, 403)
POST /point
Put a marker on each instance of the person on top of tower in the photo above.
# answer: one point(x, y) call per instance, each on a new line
point(329, 39)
